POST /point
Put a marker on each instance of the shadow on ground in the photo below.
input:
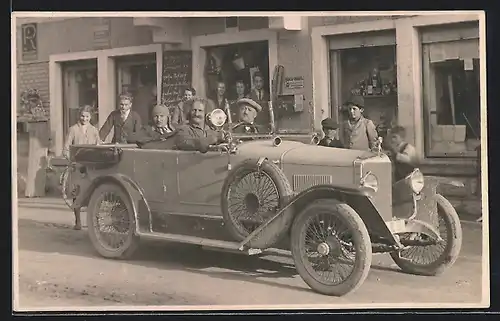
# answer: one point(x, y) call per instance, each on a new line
point(49, 238)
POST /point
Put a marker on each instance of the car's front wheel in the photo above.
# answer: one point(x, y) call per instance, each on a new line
point(331, 247)
point(433, 259)
point(111, 222)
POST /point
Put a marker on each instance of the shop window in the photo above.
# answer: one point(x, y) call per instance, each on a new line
point(451, 94)
point(137, 75)
point(243, 71)
point(366, 66)
point(80, 89)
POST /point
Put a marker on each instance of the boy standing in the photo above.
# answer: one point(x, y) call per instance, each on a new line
point(330, 129)
point(358, 132)
point(402, 154)
point(124, 120)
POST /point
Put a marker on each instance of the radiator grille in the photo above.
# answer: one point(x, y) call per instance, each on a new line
point(302, 182)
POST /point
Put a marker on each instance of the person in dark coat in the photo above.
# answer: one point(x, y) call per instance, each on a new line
point(248, 111)
point(330, 129)
point(158, 136)
point(197, 135)
point(124, 121)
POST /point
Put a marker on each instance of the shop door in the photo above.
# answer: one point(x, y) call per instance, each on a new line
point(79, 89)
point(137, 76)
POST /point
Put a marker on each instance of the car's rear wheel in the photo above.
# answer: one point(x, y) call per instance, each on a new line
point(331, 247)
point(111, 222)
point(433, 259)
point(251, 195)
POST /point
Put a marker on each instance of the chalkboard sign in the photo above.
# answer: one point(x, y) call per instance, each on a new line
point(176, 76)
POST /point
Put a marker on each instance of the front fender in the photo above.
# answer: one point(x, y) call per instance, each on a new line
point(357, 199)
point(140, 206)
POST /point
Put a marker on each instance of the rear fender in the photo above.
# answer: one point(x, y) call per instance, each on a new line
point(140, 206)
point(358, 200)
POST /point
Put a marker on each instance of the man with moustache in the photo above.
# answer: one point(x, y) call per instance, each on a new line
point(248, 111)
point(197, 135)
point(159, 135)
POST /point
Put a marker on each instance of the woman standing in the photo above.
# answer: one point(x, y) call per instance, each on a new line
point(81, 133)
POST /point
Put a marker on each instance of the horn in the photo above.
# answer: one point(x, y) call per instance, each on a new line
point(315, 139)
point(276, 141)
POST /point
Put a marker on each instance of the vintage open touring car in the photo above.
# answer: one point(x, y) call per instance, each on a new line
point(332, 208)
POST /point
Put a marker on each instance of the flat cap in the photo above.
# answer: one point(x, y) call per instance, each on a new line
point(356, 100)
point(329, 123)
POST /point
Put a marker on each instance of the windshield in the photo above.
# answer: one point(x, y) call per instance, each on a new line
point(246, 120)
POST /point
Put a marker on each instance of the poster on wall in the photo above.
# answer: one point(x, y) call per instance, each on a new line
point(176, 76)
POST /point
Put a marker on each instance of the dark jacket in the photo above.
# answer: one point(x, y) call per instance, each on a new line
point(263, 117)
point(242, 128)
point(150, 138)
point(330, 143)
point(192, 137)
point(122, 129)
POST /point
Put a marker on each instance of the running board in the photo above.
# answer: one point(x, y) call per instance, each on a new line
point(205, 243)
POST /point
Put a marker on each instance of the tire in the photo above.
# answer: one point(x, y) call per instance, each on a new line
point(447, 213)
point(64, 181)
point(130, 244)
point(271, 174)
point(359, 238)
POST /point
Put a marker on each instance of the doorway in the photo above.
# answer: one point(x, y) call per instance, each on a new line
point(137, 75)
point(79, 89)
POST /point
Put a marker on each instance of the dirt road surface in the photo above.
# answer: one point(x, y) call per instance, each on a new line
point(58, 267)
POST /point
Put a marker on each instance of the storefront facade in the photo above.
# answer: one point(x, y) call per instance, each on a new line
point(436, 67)
point(90, 60)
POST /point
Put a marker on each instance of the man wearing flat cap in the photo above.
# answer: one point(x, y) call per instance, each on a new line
point(358, 132)
point(124, 121)
point(331, 139)
point(248, 110)
point(157, 136)
point(197, 135)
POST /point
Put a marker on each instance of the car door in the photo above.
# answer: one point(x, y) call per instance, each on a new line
point(200, 178)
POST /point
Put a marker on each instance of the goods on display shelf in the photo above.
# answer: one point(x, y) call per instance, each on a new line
point(176, 76)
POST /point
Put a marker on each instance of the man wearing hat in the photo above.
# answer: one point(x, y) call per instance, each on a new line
point(156, 136)
point(248, 110)
point(330, 128)
point(358, 132)
point(124, 120)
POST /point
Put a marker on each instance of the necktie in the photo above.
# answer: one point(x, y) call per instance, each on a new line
point(259, 96)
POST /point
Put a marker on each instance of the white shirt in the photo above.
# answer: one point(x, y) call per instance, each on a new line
point(125, 114)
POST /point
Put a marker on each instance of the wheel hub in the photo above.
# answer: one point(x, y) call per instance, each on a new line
point(323, 248)
point(252, 203)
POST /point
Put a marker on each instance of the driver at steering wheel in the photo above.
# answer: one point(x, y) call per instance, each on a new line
point(248, 110)
point(197, 135)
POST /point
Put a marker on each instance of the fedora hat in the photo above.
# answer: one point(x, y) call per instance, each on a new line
point(249, 102)
point(356, 101)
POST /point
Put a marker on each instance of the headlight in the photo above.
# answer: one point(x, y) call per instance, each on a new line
point(416, 180)
point(370, 181)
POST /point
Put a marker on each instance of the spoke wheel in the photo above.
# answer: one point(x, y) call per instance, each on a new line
point(433, 259)
point(331, 247)
point(251, 196)
point(111, 222)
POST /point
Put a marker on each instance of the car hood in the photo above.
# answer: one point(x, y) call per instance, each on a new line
point(292, 152)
